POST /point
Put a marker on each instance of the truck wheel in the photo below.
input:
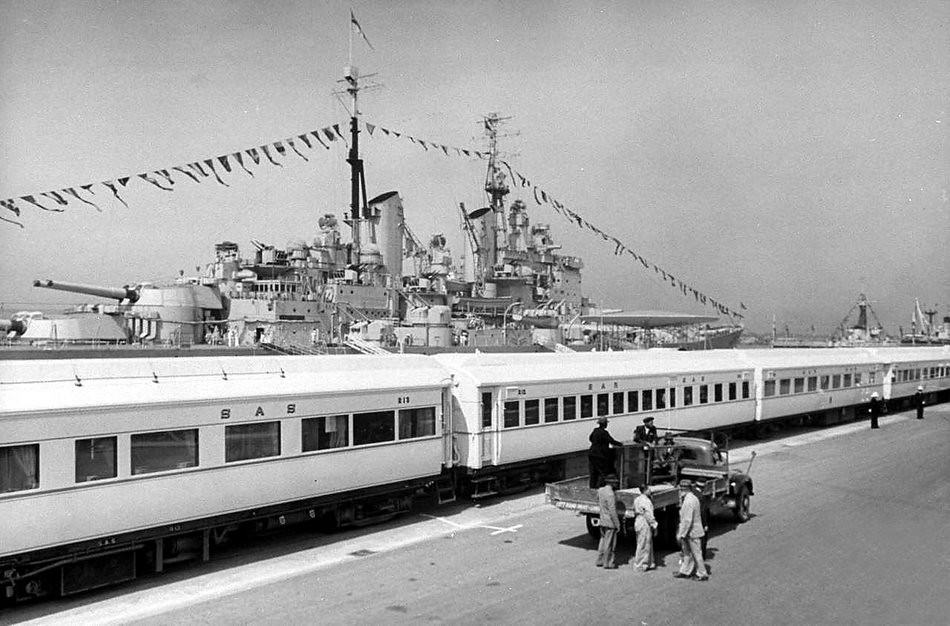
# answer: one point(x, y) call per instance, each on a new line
point(743, 502)
point(592, 530)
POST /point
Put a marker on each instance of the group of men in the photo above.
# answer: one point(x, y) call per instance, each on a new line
point(692, 527)
point(876, 406)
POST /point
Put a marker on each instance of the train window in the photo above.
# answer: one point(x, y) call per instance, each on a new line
point(603, 404)
point(646, 397)
point(587, 406)
point(871, 377)
point(769, 388)
point(486, 410)
point(857, 378)
point(847, 381)
point(417, 422)
point(784, 386)
point(732, 391)
point(570, 407)
point(95, 459)
point(167, 450)
point(251, 441)
point(532, 412)
point(512, 414)
point(717, 392)
point(824, 382)
point(632, 401)
point(672, 397)
point(836, 381)
point(325, 433)
point(799, 385)
point(373, 427)
point(745, 389)
point(703, 394)
point(19, 467)
point(812, 383)
point(917, 374)
point(550, 410)
point(660, 399)
point(687, 395)
point(618, 402)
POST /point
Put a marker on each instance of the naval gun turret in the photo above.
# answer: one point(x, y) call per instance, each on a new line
point(114, 293)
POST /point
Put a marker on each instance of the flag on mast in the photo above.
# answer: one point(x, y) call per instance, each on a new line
point(359, 29)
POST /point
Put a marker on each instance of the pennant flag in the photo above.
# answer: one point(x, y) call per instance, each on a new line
point(398, 134)
point(186, 173)
point(329, 134)
point(743, 306)
point(115, 192)
point(8, 204)
point(223, 160)
point(645, 263)
point(148, 178)
point(536, 198)
point(88, 188)
point(166, 176)
point(619, 249)
point(269, 157)
point(55, 196)
point(316, 135)
point(466, 152)
point(9, 221)
point(237, 157)
point(411, 138)
point(290, 142)
point(445, 150)
point(281, 150)
point(252, 152)
point(423, 144)
point(386, 131)
point(210, 164)
point(336, 128)
point(370, 128)
point(359, 30)
point(304, 139)
point(544, 196)
point(197, 167)
point(124, 181)
point(32, 200)
point(73, 192)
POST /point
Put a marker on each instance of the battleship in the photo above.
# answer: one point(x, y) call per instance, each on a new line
point(382, 290)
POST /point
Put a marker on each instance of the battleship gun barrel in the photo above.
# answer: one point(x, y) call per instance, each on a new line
point(117, 293)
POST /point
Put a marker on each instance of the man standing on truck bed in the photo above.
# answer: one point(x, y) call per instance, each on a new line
point(609, 522)
point(600, 457)
point(690, 534)
point(645, 433)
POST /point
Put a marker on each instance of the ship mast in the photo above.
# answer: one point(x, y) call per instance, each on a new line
point(351, 80)
point(495, 226)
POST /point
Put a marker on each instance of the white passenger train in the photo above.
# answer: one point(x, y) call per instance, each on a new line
point(109, 467)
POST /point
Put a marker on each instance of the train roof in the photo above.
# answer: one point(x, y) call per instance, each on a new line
point(29, 386)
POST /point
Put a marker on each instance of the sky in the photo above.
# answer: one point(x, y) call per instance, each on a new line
point(786, 155)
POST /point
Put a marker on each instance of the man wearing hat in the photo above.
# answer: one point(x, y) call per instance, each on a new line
point(609, 521)
point(874, 408)
point(645, 433)
point(600, 457)
point(919, 402)
point(690, 534)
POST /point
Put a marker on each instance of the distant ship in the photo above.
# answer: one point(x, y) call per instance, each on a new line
point(382, 290)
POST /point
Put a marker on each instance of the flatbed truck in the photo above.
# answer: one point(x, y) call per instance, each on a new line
point(661, 466)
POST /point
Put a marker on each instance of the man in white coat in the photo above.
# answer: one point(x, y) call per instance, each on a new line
point(645, 525)
point(690, 534)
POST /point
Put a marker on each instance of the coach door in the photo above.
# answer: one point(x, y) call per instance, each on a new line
point(489, 433)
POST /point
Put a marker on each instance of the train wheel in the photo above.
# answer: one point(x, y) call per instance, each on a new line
point(743, 504)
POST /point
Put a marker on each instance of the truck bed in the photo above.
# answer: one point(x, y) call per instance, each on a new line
point(574, 494)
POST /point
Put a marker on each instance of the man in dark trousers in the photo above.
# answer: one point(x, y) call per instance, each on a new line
point(919, 402)
point(600, 457)
point(874, 408)
point(609, 521)
point(645, 433)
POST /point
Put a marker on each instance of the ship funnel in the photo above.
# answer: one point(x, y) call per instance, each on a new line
point(388, 207)
point(116, 293)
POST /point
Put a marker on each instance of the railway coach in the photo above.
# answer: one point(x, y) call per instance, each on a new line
point(108, 467)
